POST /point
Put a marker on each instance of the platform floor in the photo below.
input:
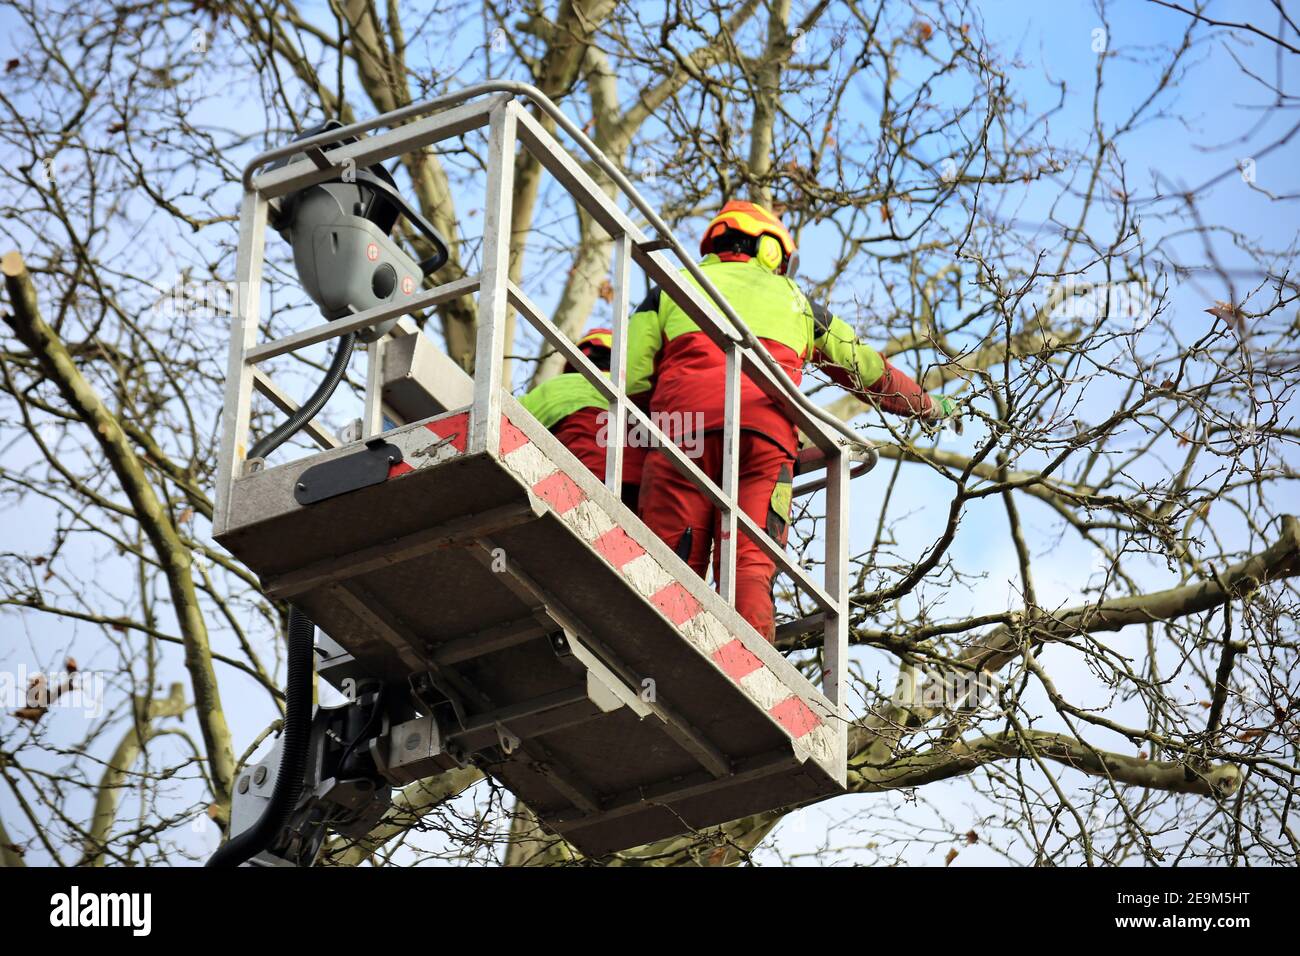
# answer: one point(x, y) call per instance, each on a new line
point(645, 706)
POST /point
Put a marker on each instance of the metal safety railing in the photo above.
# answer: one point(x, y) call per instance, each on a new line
point(496, 106)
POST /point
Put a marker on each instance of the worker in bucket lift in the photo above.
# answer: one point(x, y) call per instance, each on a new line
point(748, 255)
point(576, 413)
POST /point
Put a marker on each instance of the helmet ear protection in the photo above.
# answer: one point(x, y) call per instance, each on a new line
point(769, 253)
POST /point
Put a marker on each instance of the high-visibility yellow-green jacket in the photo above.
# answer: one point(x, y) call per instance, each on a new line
point(684, 373)
point(560, 396)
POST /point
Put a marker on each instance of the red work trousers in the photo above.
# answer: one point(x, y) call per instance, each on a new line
point(670, 504)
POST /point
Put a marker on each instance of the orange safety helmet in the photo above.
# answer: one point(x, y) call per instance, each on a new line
point(776, 253)
point(596, 339)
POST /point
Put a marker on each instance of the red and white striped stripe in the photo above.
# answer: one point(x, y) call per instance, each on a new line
point(435, 441)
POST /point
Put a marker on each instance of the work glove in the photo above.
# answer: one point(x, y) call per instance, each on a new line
point(944, 411)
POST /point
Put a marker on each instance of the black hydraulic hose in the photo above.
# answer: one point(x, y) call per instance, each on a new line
point(308, 410)
point(293, 752)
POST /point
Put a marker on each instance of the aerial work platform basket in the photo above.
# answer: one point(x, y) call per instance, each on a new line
point(457, 552)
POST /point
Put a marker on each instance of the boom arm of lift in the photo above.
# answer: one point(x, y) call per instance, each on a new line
point(386, 736)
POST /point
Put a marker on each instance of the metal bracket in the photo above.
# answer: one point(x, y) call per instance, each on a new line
point(414, 751)
point(317, 156)
point(607, 689)
point(352, 431)
point(423, 682)
point(360, 469)
point(507, 741)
